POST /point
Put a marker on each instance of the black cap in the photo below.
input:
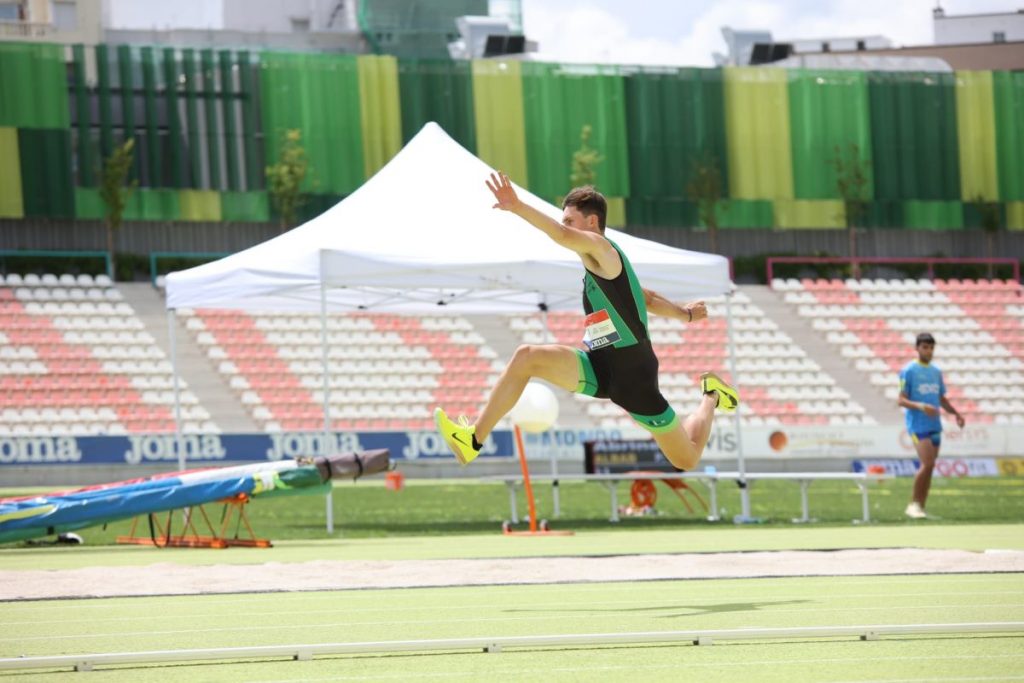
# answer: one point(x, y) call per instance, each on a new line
point(925, 338)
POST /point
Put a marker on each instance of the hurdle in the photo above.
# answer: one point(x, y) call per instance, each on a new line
point(86, 662)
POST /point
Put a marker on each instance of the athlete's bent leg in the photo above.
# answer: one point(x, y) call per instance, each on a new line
point(927, 452)
point(684, 445)
point(551, 362)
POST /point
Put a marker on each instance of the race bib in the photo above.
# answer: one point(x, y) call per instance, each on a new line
point(599, 330)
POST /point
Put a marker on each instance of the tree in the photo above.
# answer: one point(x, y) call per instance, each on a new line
point(115, 191)
point(585, 161)
point(285, 177)
point(852, 178)
point(705, 190)
point(991, 224)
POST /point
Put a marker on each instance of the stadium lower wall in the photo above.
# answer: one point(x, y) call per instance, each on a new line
point(145, 237)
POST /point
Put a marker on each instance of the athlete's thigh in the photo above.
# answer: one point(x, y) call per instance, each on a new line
point(556, 364)
point(927, 451)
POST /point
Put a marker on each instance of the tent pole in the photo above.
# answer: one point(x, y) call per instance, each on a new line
point(328, 441)
point(556, 501)
point(744, 515)
point(172, 332)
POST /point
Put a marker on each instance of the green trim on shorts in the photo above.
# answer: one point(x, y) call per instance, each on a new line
point(587, 382)
point(658, 424)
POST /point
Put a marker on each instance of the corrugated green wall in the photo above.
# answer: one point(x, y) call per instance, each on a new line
point(319, 95)
point(558, 101)
point(914, 136)
point(206, 124)
point(676, 121)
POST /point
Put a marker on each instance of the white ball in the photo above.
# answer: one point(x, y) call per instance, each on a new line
point(536, 410)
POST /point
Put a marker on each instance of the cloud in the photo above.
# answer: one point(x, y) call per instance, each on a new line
point(579, 32)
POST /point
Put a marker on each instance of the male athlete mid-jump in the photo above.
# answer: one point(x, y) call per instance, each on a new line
point(620, 363)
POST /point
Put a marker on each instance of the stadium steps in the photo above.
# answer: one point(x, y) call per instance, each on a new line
point(208, 386)
point(495, 329)
point(821, 352)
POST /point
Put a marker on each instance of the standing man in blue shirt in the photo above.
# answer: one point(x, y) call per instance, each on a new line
point(922, 393)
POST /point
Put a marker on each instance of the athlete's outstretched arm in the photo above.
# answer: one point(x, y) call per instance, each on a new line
point(580, 241)
point(688, 313)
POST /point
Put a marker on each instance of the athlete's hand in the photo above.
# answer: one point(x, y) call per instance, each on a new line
point(504, 194)
point(960, 422)
point(929, 410)
point(697, 311)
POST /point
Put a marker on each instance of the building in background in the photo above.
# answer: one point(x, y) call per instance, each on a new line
point(962, 42)
point(405, 28)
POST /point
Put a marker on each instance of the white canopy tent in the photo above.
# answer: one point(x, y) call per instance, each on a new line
point(421, 236)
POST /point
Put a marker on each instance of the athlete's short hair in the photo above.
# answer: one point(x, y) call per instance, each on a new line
point(589, 202)
point(925, 338)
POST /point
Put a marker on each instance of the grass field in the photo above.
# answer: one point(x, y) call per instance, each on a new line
point(459, 520)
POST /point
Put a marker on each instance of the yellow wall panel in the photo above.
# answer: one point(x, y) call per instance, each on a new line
point(810, 213)
point(498, 109)
point(757, 133)
point(380, 110)
point(976, 129)
point(200, 205)
point(11, 205)
point(616, 212)
point(1015, 215)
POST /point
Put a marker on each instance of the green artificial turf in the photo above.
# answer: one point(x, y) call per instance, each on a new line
point(108, 625)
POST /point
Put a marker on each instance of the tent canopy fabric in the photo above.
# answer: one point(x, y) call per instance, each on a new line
point(421, 236)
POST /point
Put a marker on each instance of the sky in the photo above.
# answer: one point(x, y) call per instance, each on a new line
point(686, 32)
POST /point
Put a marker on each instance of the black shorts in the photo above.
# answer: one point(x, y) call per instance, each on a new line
point(629, 377)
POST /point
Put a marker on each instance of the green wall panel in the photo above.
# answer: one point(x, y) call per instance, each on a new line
point(199, 205)
point(558, 100)
point(153, 205)
point(810, 213)
point(1008, 93)
point(33, 86)
point(498, 109)
point(883, 214)
point(208, 69)
point(247, 207)
point(103, 89)
point(914, 135)
point(757, 129)
point(10, 170)
point(47, 186)
point(86, 162)
point(380, 112)
point(440, 91)
point(228, 108)
point(190, 72)
point(933, 215)
point(176, 173)
point(317, 94)
point(88, 204)
point(976, 128)
point(248, 71)
point(828, 111)
point(675, 118)
point(660, 211)
point(153, 151)
point(746, 213)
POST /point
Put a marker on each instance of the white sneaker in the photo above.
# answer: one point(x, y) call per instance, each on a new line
point(915, 511)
